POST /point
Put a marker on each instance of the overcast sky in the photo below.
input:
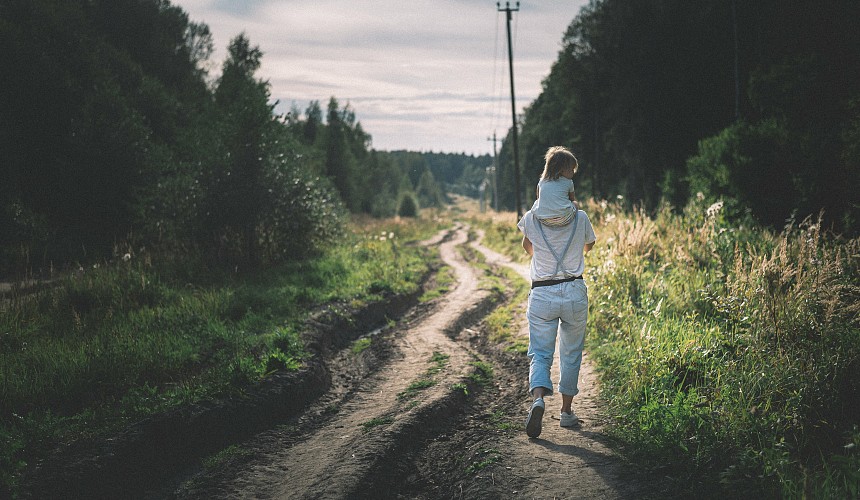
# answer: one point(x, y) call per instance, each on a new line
point(420, 75)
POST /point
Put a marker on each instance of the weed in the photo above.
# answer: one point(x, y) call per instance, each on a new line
point(483, 459)
point(331, 409)
point(460, 386)
point(500, 421)
point(483, 373)
point(375, 422)
point(444, 279)
point(416, 387)
point(440, 361)
point(224, 456)
point(360, 345)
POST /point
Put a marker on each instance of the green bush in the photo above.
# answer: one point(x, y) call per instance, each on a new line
point(408, 206)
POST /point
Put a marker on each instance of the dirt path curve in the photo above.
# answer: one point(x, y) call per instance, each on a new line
point(336, 457)
point(562, 462)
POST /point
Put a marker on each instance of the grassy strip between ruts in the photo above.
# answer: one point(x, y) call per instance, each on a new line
point(728, 354)
point(109, 345)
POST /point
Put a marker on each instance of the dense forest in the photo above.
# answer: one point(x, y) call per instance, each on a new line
point(756, 103)
point(114, 135)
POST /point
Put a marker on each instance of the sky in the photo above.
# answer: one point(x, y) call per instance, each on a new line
point(420, 75)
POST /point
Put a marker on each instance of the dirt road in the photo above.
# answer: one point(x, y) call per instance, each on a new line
point(416, 415)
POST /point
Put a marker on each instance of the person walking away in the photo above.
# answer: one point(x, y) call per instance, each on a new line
point(557, 304)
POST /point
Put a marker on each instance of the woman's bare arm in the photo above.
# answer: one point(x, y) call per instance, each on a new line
point(527, 246)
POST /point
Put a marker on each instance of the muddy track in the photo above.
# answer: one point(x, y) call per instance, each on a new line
point(362, 439)
point(348, 442)
point(486, 454)
point(407, 417)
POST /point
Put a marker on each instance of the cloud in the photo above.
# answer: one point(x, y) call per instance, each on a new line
point(422, 75)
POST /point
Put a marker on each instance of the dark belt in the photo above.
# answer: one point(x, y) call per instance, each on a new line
point(536, 284)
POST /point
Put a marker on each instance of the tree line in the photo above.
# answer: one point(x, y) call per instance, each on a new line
point(114, 134)
point(756, 103)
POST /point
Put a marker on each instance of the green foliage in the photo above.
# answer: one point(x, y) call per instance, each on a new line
point(729, 346)
point(727, 353)
point(376, 422)
point(483, 373)
point(770, 111)
point(501, 324)
point(483, 459)
point(415, 387)
point(224, 456)
point(444, 278)
point(93, 92)
point(408, 206)
point(747, 166)
point(361, 344)
point(114, 343)
point(428, 191)
point(438, 363)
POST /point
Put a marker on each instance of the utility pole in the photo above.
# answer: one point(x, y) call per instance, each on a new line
point(517, 191)
point(495, 174)
point(737, 74)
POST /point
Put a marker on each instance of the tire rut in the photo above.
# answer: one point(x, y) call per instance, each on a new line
point(488, 456)
point(348, 436)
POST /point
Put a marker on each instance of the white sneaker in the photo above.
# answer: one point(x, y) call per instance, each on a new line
point(568, 419)
point(533, 421)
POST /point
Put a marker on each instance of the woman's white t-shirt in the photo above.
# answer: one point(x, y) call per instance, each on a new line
point(543, 265)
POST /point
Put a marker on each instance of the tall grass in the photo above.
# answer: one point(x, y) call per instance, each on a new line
point(129, 338)
point(728, 354)
point(732, 347)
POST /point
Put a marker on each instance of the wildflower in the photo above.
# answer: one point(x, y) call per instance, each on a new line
point(714, 209)
point(700, 196)
point(126, 257)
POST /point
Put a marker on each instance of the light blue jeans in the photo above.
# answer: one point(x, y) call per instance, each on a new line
point(557, 311)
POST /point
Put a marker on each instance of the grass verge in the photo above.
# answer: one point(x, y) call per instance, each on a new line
point(112, 344)
point(727, 353)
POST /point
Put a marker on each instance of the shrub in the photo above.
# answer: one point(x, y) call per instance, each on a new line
point(408, 206)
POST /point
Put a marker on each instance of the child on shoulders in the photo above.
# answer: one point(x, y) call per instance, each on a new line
point(555, 204)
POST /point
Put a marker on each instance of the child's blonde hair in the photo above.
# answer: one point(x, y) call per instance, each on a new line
point(558, 159)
